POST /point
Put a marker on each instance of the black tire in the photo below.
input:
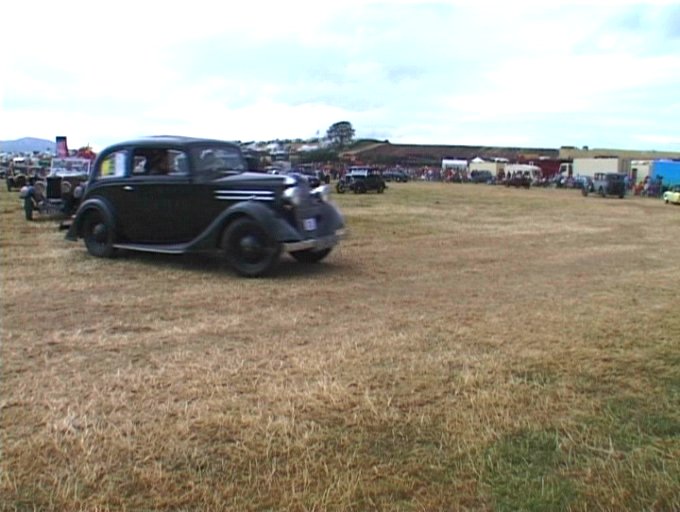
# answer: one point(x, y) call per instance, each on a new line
point(249, 249)
point(381, 188)
point(340, 188)
point(310, 256)
point(28, 207)
point(98, 235)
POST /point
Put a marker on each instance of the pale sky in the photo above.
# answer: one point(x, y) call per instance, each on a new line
point(527, 74)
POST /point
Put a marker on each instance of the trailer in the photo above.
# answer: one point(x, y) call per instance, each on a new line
point(666, 171)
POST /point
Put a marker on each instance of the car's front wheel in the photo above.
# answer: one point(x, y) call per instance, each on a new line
point(249, 249)
point(98, 235)
point(310, 255)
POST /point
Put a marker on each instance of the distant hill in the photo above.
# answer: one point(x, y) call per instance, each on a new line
point(27, 145)
point(424, 154)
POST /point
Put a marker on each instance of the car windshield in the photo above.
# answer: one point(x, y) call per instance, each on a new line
point(66, 166)
point(219, 159)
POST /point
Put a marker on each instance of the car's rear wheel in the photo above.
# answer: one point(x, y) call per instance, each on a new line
point(98, 235)
point(310, 256)
point(249, 249)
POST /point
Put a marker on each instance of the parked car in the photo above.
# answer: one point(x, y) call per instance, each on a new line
point(18, 177)
point(672, 195)
point(606, 184)
point(395, 175)
point(581, 182)
point(481, 177)
point(314, 177)
point(519, 179)
point(58, 194)
point(15, 180)
point(360, 180)
point(178, 195)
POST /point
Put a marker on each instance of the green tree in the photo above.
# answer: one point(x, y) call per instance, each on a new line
point(340, 134)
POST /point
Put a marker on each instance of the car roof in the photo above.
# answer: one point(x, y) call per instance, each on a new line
point(168, 140)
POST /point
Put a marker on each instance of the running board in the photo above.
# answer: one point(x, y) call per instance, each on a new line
point(158, 248)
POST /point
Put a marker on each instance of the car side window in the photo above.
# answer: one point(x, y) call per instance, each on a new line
point(177, 163)
point(113, 165)
point(159, 162)
point(214, 161)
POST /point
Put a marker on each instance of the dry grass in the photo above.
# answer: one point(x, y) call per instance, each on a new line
point(468, 348)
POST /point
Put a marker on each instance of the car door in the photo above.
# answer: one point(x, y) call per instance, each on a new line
point(372, 180)
point(156, 204)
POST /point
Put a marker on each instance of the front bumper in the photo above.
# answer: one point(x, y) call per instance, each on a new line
point(316, 244)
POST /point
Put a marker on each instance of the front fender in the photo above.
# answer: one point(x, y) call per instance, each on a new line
point(275, 225)
point(98, 204)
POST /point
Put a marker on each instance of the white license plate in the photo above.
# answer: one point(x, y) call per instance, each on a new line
point(310, 224)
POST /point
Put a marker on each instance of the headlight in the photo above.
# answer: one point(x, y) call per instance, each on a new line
point(78, 192)
point(293, 195)
point(323, 192)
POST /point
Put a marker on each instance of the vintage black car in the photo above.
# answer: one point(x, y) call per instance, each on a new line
point(395, 175)
point(58, 194)
point(605, 184)
point(177, 195)
point(360, 180)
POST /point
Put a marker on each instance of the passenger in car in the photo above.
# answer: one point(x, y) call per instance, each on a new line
point(157, 163)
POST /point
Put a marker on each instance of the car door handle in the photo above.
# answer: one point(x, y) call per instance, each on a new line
point(128, 188)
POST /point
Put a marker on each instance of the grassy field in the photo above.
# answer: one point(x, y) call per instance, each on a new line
point(467, 348)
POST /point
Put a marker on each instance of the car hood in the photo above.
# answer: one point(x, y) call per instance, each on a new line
point(256, 177)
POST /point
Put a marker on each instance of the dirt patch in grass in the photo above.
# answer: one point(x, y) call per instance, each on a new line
point(467, 347)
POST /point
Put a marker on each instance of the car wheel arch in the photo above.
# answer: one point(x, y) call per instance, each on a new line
point(95, 205)
point(250, 210)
